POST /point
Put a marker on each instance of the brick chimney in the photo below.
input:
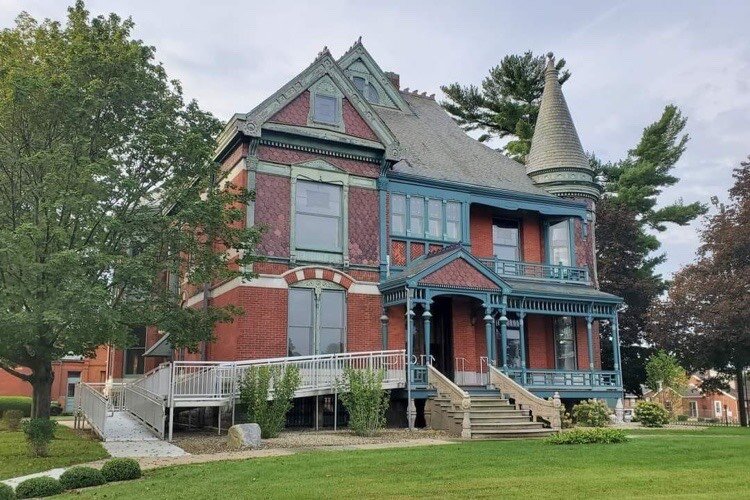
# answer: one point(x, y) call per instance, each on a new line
point(394, 79)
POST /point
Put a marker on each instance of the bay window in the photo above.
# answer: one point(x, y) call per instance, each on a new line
point(453, 220)
point(398, 214)
point(435, 218)
point(416, 216)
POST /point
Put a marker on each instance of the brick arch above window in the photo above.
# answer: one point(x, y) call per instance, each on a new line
point(320, 273)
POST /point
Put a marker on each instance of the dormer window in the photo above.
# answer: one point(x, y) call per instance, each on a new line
point(325, 109)
point(366, 89)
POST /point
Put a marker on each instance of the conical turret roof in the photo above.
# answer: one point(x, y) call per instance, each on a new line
point(556, 161)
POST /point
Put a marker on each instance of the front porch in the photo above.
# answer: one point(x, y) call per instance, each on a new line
point(461, 317)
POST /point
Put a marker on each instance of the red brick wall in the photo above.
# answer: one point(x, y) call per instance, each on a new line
point(459, 273)
point(480, 230)
point(291, 157)
point(468, 339)
point(297, 111)
point(398, 253)
point(273, 209)
point(582, 344)
point(531, 238)
point(364, 231)
point(363, 321)
point(396, 327)
point(539, 341)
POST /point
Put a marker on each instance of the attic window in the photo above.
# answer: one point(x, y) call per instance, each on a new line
point(366, 89)
point(325, 109)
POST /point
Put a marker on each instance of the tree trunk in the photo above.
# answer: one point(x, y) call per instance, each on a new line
point(741, 402)
point(41, 384)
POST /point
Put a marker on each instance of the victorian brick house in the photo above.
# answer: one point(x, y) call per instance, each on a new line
point(383, 217)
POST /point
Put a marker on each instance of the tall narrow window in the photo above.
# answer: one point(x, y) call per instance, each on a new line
point(435, 218)
point(325, 109)
point(453, 220)
point(318, 216)
point(513, 342)
point(565, 343)
point(559, 243)
point(316, 321)
point(398, 214)
point(134, 353)
point(416, 216)
point(505, 239)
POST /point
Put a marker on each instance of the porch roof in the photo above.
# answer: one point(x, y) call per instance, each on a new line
point(520, 287)
point(162, 348)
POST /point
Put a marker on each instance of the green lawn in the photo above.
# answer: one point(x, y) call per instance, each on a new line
point(688, 464)
point(68, 448)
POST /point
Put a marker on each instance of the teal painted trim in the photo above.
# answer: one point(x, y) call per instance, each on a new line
point(382, 216)
point(615, 392)
point(469, 193)
point(568, 296)
point(319, 146)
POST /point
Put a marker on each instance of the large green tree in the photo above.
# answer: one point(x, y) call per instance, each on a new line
point(106, 185)
point(705, 319)
point(629, 215)
point(507, 104)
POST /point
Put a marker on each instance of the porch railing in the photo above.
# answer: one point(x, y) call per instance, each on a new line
point(93, 407)
point(147, 406)
point(555, 379)
point(538, 271)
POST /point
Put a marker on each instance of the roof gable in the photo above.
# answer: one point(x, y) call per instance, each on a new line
point(323, 71)
point(459, 274)
point(358, 62)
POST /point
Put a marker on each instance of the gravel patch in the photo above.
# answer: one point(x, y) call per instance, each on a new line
point(207, 442)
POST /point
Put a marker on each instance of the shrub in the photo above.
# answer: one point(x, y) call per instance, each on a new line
point(6, 492)
point(15, 403)
point(81, 477)
point(39, 434)
point(589, 436)
point(651, 414)
point(258, 383)
point(55, 409)
point(39, 487)
point(566, 421)
point(682, 418)
point(365, 400)
point(591, 413)
point(12, 419)
point(121, 469)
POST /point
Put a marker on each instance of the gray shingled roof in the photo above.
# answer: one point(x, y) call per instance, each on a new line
point(435, 146)
point(520, 287)
point(555, 142)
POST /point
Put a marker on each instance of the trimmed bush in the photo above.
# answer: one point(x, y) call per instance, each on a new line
point(121, 469)
point(254, 391)
point(55, 409)
point(39, 434)
point(39, 487)
point(6, 492)
point(12, 419)
point(21, 403)
point(589, 436)
point(682, 418)
point(591, 413)
point(81, 477)
point(651, 414)
point(364, 398)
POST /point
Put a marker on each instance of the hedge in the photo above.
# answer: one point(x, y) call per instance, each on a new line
point(6, 492)
point(21, 403)
point(121, 469)
point(81, 477)
point(39, 487)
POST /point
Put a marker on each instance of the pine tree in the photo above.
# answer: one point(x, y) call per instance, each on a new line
point(507, 105)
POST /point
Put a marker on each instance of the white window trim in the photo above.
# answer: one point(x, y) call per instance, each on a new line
point(318, 286)
point(326, 87)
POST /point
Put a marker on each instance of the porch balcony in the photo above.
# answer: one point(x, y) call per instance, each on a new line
point(548, 379)
point(556, 273)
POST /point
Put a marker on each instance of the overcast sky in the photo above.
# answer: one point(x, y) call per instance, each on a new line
point(628, 59)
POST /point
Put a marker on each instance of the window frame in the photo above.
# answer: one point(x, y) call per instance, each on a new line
point(440, 218)
point(404, 214)
point(426, 202)
point(555, 336)
point(367, 87)
point(339, 217)
point(319, 97)
point(413, 202)
point(316, 288)
point(549, 244)
point(459, 221)
point(518, 246)
point(325, 87)
point(140, 362)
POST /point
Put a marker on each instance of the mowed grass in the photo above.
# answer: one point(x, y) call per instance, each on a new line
point(68, 448)
point(687, 464)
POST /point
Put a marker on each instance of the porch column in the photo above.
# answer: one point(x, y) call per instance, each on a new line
point(504, 339)
point(427, 319)
point(410, 408)
point(488, 321)
point(590, 341)
point(522, 334)
point(384, 329)
point(616, 343)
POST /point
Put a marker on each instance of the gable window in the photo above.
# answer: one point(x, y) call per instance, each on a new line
point(416, 216)
point(565, 343)
point(505, 239)
point(318, 216)
point(435, 218)
point(366, 89)
point(453, 220)
point(325, 109)
point(316, 321)
point(398, 213)
point(559, 243)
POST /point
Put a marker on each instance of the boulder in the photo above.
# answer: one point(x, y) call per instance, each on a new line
point(244, 436)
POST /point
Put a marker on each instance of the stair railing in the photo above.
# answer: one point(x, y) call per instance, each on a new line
point(540, 408)
point(459, 398)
